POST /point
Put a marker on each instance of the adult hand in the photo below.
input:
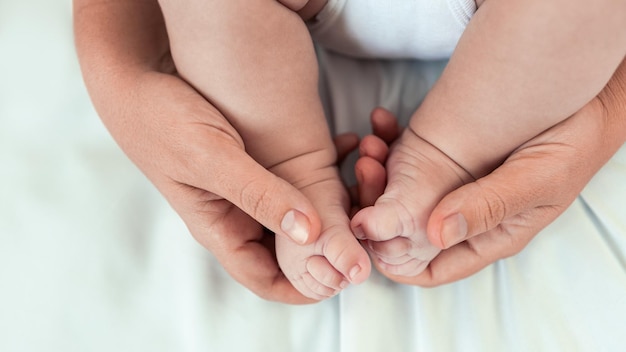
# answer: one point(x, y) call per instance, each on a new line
point(186, 147)
point(496, 216)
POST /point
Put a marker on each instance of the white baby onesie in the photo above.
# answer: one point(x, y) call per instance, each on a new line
point(392, 29)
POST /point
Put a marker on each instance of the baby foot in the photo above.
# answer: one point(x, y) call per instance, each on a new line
point(322, 269)
point(419, 176)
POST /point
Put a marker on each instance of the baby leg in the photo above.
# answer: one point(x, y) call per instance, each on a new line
point(254, 60)
point(394, 228)
point(500, 88)
point(323, 268)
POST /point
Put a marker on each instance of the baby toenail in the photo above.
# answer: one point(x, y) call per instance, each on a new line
point(354, 272)
point(344, 284)
point(359, 233)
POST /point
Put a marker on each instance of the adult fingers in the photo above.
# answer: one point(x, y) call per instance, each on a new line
point(267, 198)
point(384, 125)
point(374, 147)
point(215, 161)
point(371, 179)
point(533, 178)
point(370, 173)
point(549, 171)
point(468, 257)
point(345, 143)
point(237, 240)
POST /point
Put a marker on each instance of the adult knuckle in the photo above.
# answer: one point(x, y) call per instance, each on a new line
point(256, 198)
point(492, 209)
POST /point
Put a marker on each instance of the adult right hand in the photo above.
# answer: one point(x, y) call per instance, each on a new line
point(186, 147)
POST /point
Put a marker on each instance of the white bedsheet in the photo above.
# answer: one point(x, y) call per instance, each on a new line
point(93, 259)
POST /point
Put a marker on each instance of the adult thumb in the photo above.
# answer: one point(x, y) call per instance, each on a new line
point(480, 206)
point(267, 198)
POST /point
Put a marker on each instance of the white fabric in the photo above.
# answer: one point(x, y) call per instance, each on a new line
point(93, 259)
point(565, 292)
point(417, 29)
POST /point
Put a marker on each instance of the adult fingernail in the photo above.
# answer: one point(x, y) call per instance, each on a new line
point(296, 225)
point(453, 230)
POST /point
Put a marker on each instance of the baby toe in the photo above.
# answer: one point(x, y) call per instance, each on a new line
point(387, 219)
point(314, 289)
point(346, 255)
point(394, 260)
point(324, 273)
point(393, 248)
point(411, 268)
